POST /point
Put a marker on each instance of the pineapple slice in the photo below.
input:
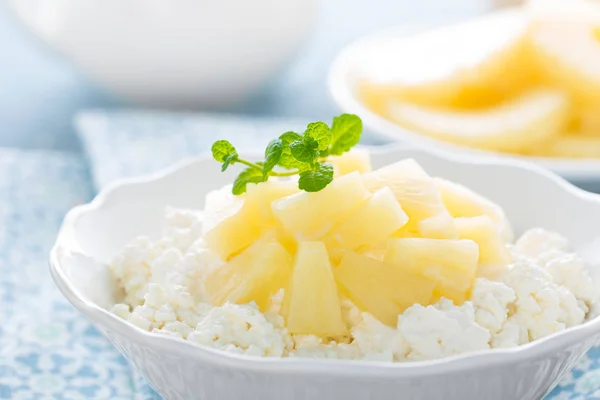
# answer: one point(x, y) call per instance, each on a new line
point(382, 289)
point(440, 226)
point(452, 264)
point(229, 226)
point(357, 160)
point(571, 147)
point(515, 125)
point(373, 222)
point(568, 54)
point(463, 202)
point(311, 305)
point(467, 65)
point(414, 190)
point(254, 275)
point(494, 256)
point(309, 216)
point(232, 223)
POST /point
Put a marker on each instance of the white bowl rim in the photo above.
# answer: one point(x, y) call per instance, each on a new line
point(356, 368)
point(342, 94)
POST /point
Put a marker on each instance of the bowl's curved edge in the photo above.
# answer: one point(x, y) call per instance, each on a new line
point(103, 319)
point(580, 170)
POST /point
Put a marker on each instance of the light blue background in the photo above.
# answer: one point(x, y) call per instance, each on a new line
point(40, 91)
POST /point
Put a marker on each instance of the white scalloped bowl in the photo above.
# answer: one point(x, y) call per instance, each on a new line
point(95, 232)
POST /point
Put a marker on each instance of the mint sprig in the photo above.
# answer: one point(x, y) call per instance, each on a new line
point(299, 154)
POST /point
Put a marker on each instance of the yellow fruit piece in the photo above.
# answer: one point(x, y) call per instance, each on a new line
point(232, 223)
point(254, 275)
point(357, 160)
point(413, 188)
point(494, 256)
point(440, 226)
point(382, 289)
point(467, 65)
point(463, 202)
point(571, 147)
point(260, 196)
point(373, 222)
point(309, 216)
point(311, 304)
point(452, 264)
point(229, 226)
point(512, 126)
point(568, 55)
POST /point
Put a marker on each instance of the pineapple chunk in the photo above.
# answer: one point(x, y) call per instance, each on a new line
point(413, 188)
point(493, 253)
point(260, 196)
point(232, 223)
point(382, 289)
point(229, 226)
point(439, 226)
point(309, 216)
point(373, 222)
point(463, 202)
point(452, 264)
point(254, 275)
point(311, 304)
point(515, 125)
point(357, 160)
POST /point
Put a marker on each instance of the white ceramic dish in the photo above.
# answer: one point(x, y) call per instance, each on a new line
point(93, 233)
point(176, 53)
point(350, 65)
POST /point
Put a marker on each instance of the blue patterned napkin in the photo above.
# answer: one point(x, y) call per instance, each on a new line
point(47, 349)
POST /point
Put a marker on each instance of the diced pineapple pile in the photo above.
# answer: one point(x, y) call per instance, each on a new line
point(385, 239)
point(524, 81)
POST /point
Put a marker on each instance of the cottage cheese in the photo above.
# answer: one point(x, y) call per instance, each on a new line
point(546, 290)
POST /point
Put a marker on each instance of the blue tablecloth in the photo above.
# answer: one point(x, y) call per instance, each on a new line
point(47, 350)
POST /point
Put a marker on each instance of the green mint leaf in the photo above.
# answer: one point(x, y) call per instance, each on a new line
point(287, 160)
point(289, 137)
point(316, 179)
point(305, 150)
point(221, 149)
point(273, 154)
point(229, 159)
point(319, 132)
point(345, 131)
point(249, 175)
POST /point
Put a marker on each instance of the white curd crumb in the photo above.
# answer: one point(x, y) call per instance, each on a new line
point(121, 310)
point(242, 326)
point(176, 326)
point(350, 313)
point(139, 321)
point(491, 301)
point(441, 330)
point(537, 241)
point(315, 347)
point(378, 341)
point(569, 270)
point(542, 307)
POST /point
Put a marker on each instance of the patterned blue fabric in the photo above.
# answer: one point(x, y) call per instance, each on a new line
point(48, 350)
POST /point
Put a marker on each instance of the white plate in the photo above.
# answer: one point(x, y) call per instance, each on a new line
point(347, 69)
point(93, 233)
